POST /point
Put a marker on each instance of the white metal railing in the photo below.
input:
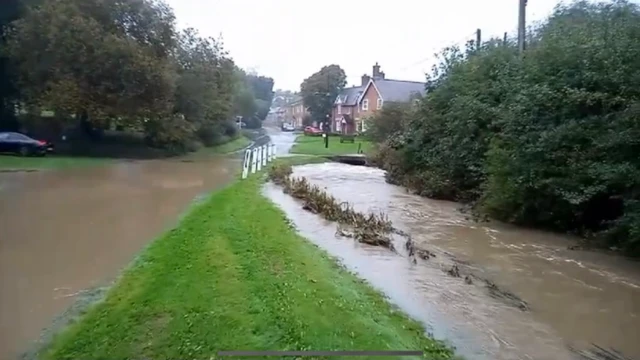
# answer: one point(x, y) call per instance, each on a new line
point(257, 157)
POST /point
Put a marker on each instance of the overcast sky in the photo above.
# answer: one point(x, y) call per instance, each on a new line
point(289, 40)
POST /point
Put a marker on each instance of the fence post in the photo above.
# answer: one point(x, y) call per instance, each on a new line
point(259, 159)
point(268, 153)
point(273, 153)
point(245, 163)
point(264, 155)
point(254, 160)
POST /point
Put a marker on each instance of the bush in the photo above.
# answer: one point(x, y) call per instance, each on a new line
point(549, 139)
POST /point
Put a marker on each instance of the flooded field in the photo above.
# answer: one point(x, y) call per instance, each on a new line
point(62, 232)
point(521, 294)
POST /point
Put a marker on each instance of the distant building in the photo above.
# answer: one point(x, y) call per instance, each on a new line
point(355, 104)
point(296, 112)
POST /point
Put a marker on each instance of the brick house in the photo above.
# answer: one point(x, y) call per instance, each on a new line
point(355, 104)
point(295, 112)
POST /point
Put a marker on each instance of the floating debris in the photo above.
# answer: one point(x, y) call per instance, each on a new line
point(454, 271)
point(372, 229)
point(599, 353)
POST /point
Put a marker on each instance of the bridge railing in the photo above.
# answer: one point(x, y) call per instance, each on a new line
point(257, 157)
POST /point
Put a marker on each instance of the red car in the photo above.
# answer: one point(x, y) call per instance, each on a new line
point(313, 131)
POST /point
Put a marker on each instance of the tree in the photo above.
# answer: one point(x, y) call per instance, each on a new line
point(205, 85)
point(10, 10)
point(320, 90)
point(100, 59)
point(549, 139)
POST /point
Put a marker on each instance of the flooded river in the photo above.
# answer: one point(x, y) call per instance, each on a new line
point(555, 298)
point(62, 232)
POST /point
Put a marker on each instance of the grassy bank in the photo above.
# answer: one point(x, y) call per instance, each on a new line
point(10, 162)
point(236, 144)
point(235, 276)
point(314, 145)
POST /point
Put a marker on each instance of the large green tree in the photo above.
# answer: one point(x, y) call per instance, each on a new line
point(319, 91)
point(101, 59)
point(548, 139)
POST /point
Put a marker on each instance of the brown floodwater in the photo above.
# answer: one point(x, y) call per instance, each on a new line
point(571, 298)
point(63, 232)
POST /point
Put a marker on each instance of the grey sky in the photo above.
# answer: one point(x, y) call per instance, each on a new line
point(291, 39)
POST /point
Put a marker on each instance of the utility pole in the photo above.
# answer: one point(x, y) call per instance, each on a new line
point(478, 39)
point(522, 25)
point(504, 39)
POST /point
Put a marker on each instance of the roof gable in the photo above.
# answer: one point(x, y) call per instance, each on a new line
point(349, 96)
point(395, 90)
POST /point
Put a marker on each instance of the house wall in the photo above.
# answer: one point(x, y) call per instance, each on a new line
point(335, 116)
point(372, 96)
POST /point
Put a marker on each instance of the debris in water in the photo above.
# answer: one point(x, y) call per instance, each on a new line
point(599, 353)
point(454, 271)
point(425, 254)
point(467, 279)
point(506, 296)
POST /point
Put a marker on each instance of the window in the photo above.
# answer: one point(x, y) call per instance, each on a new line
point(339, 109)
point(379, 103)
point(365, 104)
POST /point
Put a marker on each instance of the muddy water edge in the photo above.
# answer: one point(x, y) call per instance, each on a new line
point(64, 232)
point(493, 291)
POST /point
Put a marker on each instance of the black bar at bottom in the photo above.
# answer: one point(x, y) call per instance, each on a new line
point(320, 353)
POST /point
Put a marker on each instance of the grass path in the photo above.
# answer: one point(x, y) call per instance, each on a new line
point(235, 276)
point(13, 162)
point(314, 145)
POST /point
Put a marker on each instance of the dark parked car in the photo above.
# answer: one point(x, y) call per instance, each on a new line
point(13, 142)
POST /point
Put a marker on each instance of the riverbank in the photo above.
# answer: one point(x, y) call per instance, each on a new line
point(314, 145)
point(10, 163)
point(234, 275)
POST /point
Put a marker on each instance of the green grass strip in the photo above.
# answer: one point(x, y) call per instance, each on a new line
point(314, 145)
point(235, 276)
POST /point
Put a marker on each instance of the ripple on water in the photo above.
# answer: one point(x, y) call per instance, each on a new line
point(587, 303)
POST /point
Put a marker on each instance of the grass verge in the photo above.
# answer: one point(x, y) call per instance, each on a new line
point(234, 275)
point(314, 145)
point(11, 162)
point(21, 163)
point(236, 144)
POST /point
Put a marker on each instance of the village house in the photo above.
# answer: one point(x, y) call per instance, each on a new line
point(295, 112)
point(355, 104)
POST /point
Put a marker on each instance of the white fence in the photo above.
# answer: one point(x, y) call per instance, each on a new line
point(257, 157)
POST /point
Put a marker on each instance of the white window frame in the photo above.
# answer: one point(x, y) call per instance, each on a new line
point(365, 104)
point(380, 102)
point(339, 109)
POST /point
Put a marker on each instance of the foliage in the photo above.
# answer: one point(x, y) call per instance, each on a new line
point(320, 90)
point(549, 139)
point(99, 62)
point(389, 121)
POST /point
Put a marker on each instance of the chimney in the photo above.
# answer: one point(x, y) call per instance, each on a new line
point(382, 75)
point(365, 79)
point(376, 71)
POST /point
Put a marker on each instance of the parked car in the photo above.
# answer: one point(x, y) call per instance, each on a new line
point(288, 127)
point(13, 142)
point(312, 131)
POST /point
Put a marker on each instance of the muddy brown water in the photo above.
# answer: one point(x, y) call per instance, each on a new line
point(62, 232)
point(574, 298)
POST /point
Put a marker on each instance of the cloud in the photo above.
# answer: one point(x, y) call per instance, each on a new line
point(291, 39)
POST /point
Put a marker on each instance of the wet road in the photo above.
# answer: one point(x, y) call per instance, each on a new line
point(574, 298)
point(62, 232)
